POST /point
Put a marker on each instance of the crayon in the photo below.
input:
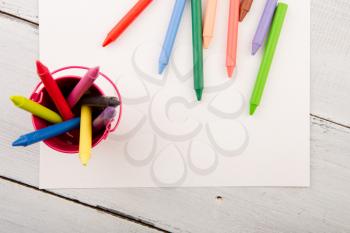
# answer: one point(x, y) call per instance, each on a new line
point(209, 22)
point(196, 10)
point(244, 9)
point(126, 21)
point(171, 34)
point(54, 91)
point(36, 109)
point(83, 85)
point(104, 118)
point(100, 101)
point(47, 133)
point(85, 139)
point(269, 53)
point(232, 36)
point(264, 25)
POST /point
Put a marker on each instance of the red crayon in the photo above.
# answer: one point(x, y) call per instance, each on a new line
point(126, 21)
point(54, 91)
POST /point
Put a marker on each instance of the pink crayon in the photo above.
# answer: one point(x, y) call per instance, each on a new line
point(104, 118)
point(83, 85)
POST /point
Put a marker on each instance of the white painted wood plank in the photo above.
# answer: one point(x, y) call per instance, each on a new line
point(330, 36)
point(26, 9)
point(322, 208)
point(26, 210)
point(19, 50)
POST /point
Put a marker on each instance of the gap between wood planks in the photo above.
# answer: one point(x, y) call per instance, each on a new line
point(100, 208)
point(330, 121)
point(17, 17)
point(114, 213)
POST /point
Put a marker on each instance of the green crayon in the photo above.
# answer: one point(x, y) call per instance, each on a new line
point(269, 53)
point(196, 9)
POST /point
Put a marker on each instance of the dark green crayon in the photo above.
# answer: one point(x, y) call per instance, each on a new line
point(196, 7)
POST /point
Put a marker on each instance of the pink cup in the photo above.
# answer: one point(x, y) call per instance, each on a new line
point(69, 142)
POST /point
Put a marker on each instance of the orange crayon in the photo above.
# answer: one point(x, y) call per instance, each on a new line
point(126, 21)
point(209, 22)
point(232, 36)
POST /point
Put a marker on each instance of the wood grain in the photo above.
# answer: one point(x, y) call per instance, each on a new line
point(325, 207)
point(25, 9)
point(27, 210)
point(330, 34)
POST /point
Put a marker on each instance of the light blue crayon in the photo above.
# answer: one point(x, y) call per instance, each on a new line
point(48, 132)
point(171, 34)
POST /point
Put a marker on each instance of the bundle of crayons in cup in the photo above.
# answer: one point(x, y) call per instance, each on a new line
point(269, 28)
point(71, 112)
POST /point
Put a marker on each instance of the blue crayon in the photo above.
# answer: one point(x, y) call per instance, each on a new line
point(171, 34)
point(46, 133)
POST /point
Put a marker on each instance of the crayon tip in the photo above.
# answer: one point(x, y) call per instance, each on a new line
point(199, 93)
point(230, 70)
point(41, 69)
point(113, 101)
point(206, 41)
point(21, 141)
point(242, 15)
point(107, 41)
point(16, 100)
point(255, 48)
point(94, 72)
point(252, 109)
point(110, 112)
point(161, 67)
point(84, 159)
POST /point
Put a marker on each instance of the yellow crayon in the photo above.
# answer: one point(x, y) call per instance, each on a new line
point(36, 109)
point(85, 140)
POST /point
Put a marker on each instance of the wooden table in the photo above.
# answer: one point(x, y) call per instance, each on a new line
point(324, 207)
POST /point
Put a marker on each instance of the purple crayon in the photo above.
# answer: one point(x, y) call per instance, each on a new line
point(104, 118)
point(83, 85)
point(264, 25)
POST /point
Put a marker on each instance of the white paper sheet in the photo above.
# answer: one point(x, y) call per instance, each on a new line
point(166, 138)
